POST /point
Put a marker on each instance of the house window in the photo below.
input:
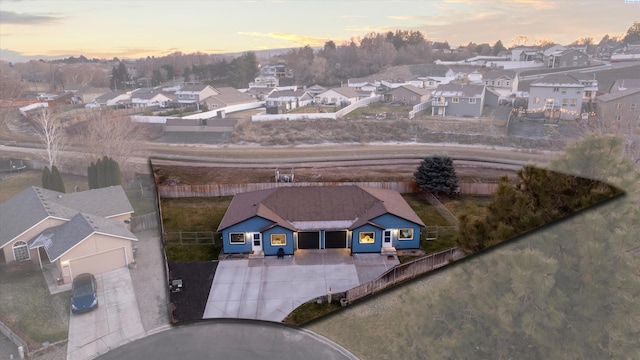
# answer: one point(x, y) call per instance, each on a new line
point(236, 238)
point(499, 83)
point(578, 92)
point(555, 89)
point(632, 106)
point(573, 102)
point(564, 91)
point(413, 98)
point(536, 100)
point(618, 117)
point(565, 102)
point(455, 100)
point(367, 237)
point(508, 83)
point(405, 234)
point(21, 251)
point(575, 57)
point(472, 100)
point(278, 239)
point(618, 105)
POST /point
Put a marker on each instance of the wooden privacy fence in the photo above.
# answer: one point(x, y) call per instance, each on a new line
point(190, 237)
point(144, 222)
point(401, 273)
point(210, 190)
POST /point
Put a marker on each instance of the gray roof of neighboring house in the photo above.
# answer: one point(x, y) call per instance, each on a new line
point(495, 74)
point(108, 96)
point(34, 205)
point(192, 88)
point(346, 91)
point(287, 93)
point(556, 80)
point(58, 240)
point(231, 96)
point(466, 91)
point(618, 94)
point(411, 88)
point(352, 206)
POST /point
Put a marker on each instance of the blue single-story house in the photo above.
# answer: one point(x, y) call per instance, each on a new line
point(365, 220)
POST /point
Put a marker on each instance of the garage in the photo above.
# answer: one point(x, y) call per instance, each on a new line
point(335, 239)
point(99, 263)
point(309, 240)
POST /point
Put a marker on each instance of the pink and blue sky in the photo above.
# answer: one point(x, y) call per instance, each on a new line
point(140, 28)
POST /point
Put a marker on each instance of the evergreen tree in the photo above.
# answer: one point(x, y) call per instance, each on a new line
point(436, 174)
point(92, 175)
point(46, 178)
point(103, 173)
point(57, 183)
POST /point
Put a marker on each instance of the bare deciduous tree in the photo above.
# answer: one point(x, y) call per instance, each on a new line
point(114, 135)
point(627, 130)
point(51, 132)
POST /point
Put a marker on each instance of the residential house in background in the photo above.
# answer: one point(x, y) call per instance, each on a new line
point(435, 74)
point(150, 97)
point(80, 232)
point(288, 99)
point(227, 96)
point(620, 107)
point(566, 58)
point(341, 96)
point(269, 81)
point(499, 79)
point(112, 98)
point(285, 219)
point(259, 92)
point(194, 94)
point(458, 100)
point(557, 96)
point(407, 95)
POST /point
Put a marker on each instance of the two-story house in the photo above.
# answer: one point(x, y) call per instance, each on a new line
point(621, 105)
point(194, 94)
point(567, 58)
point(558, 96)
point(458, 100)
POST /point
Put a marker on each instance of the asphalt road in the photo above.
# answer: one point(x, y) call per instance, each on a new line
point(232, 339)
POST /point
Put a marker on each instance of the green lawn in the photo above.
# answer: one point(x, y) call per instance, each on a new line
point(28, 308)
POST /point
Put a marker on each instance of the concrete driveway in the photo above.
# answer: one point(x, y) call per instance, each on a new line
point(270, 288)
point(115, 322)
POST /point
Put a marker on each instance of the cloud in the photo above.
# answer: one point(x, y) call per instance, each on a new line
point(9, 17)
point(295, 39)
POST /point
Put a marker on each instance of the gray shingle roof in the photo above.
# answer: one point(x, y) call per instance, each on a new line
point(466, 91)
point(60, 239)
point(555, 80)
point(618, 95)
point(34, 205)
point(352, 205)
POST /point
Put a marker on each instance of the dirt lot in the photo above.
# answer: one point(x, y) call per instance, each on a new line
point(356, 171)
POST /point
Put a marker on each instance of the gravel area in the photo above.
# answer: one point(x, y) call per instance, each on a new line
point(149, 281)
point(197, 277)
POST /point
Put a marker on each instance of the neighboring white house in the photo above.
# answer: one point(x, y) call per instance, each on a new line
point(192, 94)
point(341, 96)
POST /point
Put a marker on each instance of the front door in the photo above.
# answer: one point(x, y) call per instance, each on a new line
point(256, 244)
point(386, 238)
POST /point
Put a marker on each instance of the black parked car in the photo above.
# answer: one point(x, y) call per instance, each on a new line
point(84, 295)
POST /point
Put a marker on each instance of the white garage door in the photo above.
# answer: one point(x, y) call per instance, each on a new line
point(99, 263)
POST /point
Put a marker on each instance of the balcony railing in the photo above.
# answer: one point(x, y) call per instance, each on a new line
point(439, 103)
